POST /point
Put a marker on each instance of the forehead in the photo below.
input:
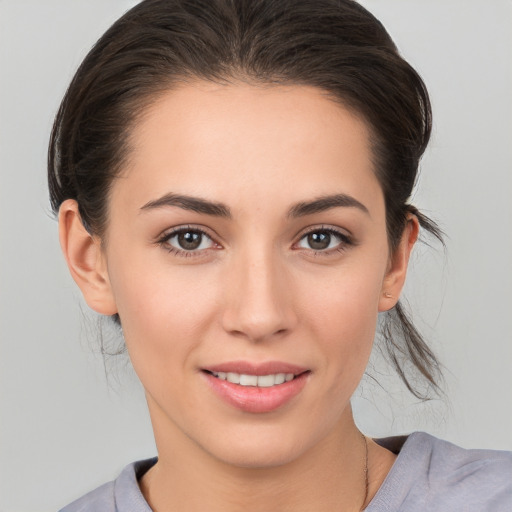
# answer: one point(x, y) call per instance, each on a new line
point(224, 141)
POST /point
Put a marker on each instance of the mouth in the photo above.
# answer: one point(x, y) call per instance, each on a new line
point(260, 381)
point(257, 388)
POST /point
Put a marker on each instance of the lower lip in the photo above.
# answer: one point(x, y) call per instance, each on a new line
point(255, 399)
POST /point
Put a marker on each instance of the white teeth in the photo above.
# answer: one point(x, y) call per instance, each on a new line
point(248, 380)
point(265, 381)
point(280, 378)
point(262, 381)
point(232, 377)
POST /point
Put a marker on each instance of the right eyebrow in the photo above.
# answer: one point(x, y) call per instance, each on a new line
point(195, 204)
point(324, 203)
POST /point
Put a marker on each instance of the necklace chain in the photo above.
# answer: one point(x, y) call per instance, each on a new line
point(366, 477)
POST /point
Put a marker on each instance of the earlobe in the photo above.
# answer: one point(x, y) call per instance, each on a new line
point(399, 261)
point(85, 259)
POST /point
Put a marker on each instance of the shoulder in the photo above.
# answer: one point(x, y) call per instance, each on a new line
point(432, 474)
point(447, 464)
point(121, 495)
point(451, 466)
point(101, 498)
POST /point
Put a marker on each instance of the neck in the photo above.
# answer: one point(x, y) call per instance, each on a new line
point(328, 477)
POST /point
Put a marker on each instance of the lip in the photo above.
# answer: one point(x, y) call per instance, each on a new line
point(253, 399)
point(266, 368)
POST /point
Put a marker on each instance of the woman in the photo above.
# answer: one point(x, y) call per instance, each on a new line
point(248, 306)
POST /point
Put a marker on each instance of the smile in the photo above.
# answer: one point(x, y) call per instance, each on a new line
point(261, 381)
point(256, 388)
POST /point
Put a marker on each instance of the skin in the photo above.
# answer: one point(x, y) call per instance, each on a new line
point(255, 290)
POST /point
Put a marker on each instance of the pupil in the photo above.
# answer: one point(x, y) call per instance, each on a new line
point(319, 240)
point(189, 240)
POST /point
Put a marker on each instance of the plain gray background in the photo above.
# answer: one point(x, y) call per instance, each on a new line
point(64, 429)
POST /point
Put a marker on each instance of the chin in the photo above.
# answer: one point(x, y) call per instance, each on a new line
point(264, 448)
point(253, 457)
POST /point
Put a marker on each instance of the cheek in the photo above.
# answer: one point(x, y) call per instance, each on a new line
point(163, 309)
point(346, 301)
point(343, 314)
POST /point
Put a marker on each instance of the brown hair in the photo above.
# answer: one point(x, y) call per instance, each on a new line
point(335, 45)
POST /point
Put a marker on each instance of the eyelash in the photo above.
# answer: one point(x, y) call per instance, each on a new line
point(163, 241)
point(345, 241)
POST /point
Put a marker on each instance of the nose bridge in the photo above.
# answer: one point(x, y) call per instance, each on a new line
point(259, 304)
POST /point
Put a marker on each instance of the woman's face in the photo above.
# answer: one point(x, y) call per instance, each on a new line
point(247, 236)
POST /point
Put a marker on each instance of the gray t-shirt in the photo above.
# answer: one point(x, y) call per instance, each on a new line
point(429, 475)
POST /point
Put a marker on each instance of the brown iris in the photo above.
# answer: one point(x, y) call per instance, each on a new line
point(319, 240)
point(189, 240)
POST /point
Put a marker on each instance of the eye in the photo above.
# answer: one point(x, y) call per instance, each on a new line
point(322, 240)
point(186, 240)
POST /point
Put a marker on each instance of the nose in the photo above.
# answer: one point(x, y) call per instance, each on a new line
point(259, 299)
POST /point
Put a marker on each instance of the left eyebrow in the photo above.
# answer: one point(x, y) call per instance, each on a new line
point(324, 203)
point(195, 204)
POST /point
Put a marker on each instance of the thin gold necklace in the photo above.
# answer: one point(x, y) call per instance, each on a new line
point(366, 477)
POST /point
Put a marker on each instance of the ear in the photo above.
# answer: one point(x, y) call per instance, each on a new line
point(86, 259)
point(397, 269)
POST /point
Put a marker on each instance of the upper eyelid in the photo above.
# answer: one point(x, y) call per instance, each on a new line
point(170, 232)
point(331, 229)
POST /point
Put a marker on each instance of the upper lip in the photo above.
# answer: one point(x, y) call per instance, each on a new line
point(249, 368)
